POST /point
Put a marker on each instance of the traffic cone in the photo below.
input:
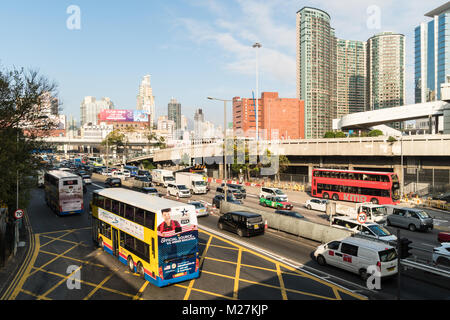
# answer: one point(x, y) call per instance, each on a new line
point(265, 225)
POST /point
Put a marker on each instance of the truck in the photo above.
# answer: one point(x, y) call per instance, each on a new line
point(375, 212)
point(196, 183)
point(162, 177)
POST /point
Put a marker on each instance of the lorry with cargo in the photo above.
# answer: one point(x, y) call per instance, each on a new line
point(196, 183)
point(162, 177)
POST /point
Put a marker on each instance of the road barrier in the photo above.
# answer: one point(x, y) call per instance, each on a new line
point(305, 229)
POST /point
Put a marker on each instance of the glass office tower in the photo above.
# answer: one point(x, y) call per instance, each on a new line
point(432, 54)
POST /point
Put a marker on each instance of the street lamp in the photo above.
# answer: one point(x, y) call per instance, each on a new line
point(257, 45)
point(224, 141)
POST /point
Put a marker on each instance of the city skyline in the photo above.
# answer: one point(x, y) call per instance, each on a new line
point(209, 41)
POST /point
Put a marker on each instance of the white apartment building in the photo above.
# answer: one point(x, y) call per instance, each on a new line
point(91, 107)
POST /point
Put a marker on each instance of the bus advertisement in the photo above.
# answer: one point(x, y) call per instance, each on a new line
point(155, 237)
point(63, 192)
point(356, 186)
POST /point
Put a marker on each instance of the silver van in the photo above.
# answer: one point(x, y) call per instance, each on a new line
point(411, 218)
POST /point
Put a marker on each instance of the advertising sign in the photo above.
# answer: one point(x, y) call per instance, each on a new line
point(122, 115)
point(129, 227)
point(177, 241)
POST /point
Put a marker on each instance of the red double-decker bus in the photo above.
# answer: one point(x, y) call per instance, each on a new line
point(356, 186)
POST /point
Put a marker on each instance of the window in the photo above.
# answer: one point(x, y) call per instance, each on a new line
point(150, 220)
point(139, 216)
point(334, 245)
point(99, 200)
point(129, 213)
point(108, 204)
point(115, 206)
point(349, 249)
point(105, 229)
point(121, 209)
point(70, 182)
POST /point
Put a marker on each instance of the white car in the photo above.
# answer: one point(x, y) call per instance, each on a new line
point(317, 204)
point(265, 192)
point(87, 179)
point(200, 208)
point(178, 190)
point(441, 255)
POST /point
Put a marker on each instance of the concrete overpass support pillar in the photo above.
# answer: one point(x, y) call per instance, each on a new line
point(436, 124)
point(398, 170)
point(447, 120)
point(310, 170)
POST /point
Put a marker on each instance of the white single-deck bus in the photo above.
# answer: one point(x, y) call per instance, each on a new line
point(63, 192)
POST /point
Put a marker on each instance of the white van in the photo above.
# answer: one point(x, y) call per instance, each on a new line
point(357, 255)
point(368, 229)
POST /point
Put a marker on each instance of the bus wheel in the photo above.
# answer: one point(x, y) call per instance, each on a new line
point(335, 197)
point(130, 264)
point(374, 201)
point(326, 196)
point(141, 270)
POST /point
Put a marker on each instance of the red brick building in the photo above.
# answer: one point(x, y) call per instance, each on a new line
point(283, 114)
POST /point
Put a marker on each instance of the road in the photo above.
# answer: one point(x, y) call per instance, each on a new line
point(273, 266)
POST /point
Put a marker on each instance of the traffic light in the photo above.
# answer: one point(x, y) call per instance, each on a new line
point(404, 248)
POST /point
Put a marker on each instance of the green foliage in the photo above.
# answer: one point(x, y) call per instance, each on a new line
point(22, 124)
point(330, 134)
point(340, 134)
point(375, 133)
point(391, 139)
point(148, 165)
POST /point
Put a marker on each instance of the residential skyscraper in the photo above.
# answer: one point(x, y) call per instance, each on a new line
point(316, 70)
point(145, 98)
point(91, 107)
point(385, 71)
point(199, 119)
point(351, 77)
point(432, 54)
point(174, 113)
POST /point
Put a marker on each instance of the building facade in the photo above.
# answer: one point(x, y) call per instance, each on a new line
point(91, 107)
point(351, 77)
point(174, 112)
point(280, 118)
point(145, 99)
point(316, 70)
point(385, 71)
point(432, 54)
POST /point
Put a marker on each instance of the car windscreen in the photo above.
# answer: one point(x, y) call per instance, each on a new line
point(70, 182)
point(379, 211)
point(387, 255)
point(200, 183)
point(198, 205)
point(423, 214)
point(254, 219)
point(281, 193)
point(182, 187)
point(168, 178)
point(379, 230)
point(115, 180)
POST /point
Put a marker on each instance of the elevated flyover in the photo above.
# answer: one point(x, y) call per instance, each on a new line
point(364, 120)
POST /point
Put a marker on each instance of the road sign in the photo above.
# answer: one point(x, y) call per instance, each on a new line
point(18, 214)
point(362, 217)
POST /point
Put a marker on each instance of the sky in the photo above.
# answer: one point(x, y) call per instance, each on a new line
point(191, 48)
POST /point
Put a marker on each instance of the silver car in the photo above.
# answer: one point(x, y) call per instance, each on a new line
point(413, 219)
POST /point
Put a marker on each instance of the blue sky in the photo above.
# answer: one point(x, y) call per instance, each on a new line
point(192, 49)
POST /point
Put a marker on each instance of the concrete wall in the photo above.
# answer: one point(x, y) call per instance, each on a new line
point(305, 229)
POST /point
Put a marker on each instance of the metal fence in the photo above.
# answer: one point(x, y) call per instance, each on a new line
point(426, 181)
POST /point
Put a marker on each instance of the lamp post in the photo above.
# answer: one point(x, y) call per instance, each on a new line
point(224, 141)
point(257, 45)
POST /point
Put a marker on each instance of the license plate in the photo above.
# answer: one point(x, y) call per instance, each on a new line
point(256, 226)
point(391, 269)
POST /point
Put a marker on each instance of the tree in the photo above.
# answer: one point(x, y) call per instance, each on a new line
point(375, 133)
point(340, 134)
point(330, 134)
point(23, 124)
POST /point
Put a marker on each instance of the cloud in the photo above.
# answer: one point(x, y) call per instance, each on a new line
point(235, 36)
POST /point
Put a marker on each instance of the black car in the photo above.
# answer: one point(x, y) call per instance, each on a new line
point(236, 192)
point(241, 222)
point(221, 197)
point(113, 182)
point(290, 213)
point(239, 187)
point(150, 190)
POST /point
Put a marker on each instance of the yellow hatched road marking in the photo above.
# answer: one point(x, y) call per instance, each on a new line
point(64, 240)
point(204, 291)
point(58, 238)
point(74, 259)
point(191, 283)
point(139, 294)
point(58, 283)
point(328, 284)
point(280, 279)
point(99, 286)
point(236, 277)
